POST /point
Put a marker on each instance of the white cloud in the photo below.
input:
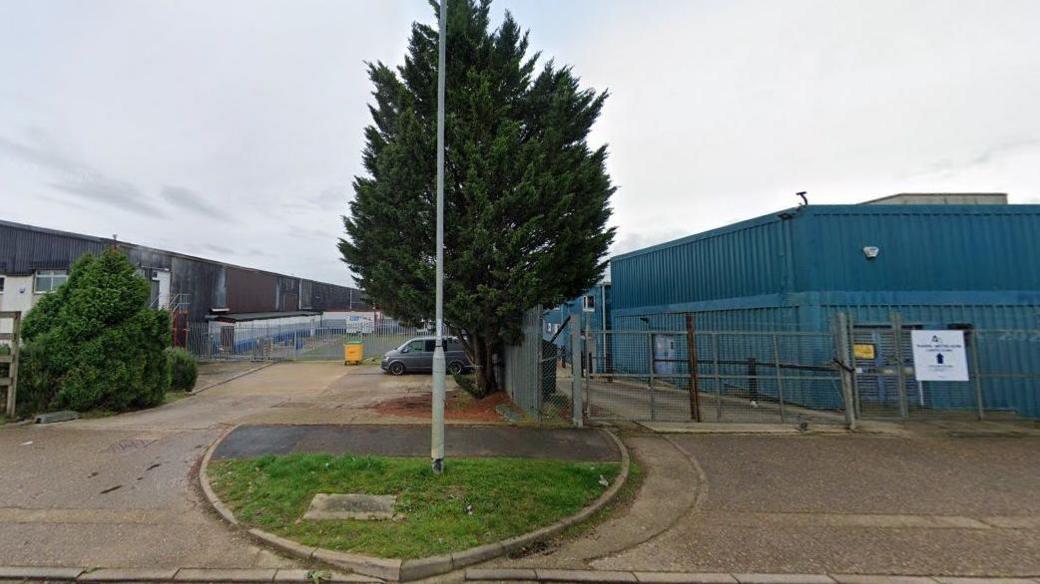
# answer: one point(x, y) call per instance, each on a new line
point(252, 111)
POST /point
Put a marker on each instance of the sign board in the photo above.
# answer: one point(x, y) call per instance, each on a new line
point(863, 351)
point(939, 355)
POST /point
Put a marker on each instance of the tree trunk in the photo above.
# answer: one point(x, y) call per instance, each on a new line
point(483, 361)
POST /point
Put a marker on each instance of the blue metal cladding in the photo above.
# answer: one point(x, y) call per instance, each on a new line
point(921, 247)
point(937, 266)
point(744, 259)
point(820, 248)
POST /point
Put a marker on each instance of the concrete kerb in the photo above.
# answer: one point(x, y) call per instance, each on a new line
point(412, 569)
point(200, 575)
point(543, 575)
point(264, 365)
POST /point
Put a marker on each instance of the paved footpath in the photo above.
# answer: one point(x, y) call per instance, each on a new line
point(850, 504)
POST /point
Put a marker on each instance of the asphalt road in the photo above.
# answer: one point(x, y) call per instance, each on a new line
point(121, 491)
point(414, 440)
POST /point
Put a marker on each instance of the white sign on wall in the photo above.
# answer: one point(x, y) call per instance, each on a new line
point(939, 355)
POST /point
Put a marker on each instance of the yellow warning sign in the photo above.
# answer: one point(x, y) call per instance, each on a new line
point(863, 350)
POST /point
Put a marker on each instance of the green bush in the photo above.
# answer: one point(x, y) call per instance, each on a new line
point(94, 343)
point(183, 369)
point(36, 386)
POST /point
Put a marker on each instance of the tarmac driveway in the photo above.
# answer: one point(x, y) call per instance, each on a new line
point(120, 491)
point(853, 504)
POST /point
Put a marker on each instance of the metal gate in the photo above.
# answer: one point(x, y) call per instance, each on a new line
point(885, 385)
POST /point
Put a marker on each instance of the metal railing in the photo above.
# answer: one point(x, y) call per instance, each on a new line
point(303, 341)
point(737, 376)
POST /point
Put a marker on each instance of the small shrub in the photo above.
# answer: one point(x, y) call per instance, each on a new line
point(468, 383)
point(183, 369)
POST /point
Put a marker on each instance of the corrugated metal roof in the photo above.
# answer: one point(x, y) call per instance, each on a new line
point(94, 244)
point(246, 316)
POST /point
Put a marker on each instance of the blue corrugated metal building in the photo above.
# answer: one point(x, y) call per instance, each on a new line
point(594, 305)
point(973, 267)
point(937, 263)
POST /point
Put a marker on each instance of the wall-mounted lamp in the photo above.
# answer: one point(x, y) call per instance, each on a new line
point(871, 251)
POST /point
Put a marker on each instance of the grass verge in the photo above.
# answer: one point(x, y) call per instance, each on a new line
point(476, 501)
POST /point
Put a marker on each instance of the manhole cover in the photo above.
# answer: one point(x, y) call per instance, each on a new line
point(351, 506)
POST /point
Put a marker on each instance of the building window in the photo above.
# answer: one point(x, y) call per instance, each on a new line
point(49, 280)
point(2, 280)
point(589, 302)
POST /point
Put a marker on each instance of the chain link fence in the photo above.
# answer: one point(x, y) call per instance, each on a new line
point(737, 376)
point(533, 373)
point(1003, 371)
point(306, 341)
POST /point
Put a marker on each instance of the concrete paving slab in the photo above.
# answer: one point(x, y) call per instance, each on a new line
point(783, 579)
point(351, 506)
point(958, 580)
point(604, 576)
point(493, 574)
point(720, 428)
point(39, 573)
point(306, 576)
point(413, 440)
point(684, 578)
point(129, 575)
point(224, 575)
point(880, 579)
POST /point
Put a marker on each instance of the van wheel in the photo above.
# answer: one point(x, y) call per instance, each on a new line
point(455, 368)
point(397, 368)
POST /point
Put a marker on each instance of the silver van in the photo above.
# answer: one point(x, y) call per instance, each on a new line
point(417, 355)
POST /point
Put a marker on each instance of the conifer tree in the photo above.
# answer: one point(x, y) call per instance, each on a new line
point(526, 198)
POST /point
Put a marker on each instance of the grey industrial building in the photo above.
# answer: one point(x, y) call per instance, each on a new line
point(35, 260)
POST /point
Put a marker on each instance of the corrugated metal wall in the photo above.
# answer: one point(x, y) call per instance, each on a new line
point(207, 284)
point(820, 248)
point(939, 266)
point(251, 291)
point(23, 251)
point(922, 247)
point(745, 259)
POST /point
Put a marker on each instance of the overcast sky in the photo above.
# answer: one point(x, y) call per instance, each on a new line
point(232, 129)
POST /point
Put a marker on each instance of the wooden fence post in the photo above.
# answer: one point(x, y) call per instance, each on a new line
point(11, 381)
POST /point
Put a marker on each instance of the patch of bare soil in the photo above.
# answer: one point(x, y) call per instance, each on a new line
point(458, 405)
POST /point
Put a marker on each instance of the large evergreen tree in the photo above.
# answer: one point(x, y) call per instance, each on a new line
point(526, 199)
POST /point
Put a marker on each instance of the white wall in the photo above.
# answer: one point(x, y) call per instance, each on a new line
point(17, 295)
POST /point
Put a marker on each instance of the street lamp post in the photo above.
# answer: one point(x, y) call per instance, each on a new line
point(437, 442)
